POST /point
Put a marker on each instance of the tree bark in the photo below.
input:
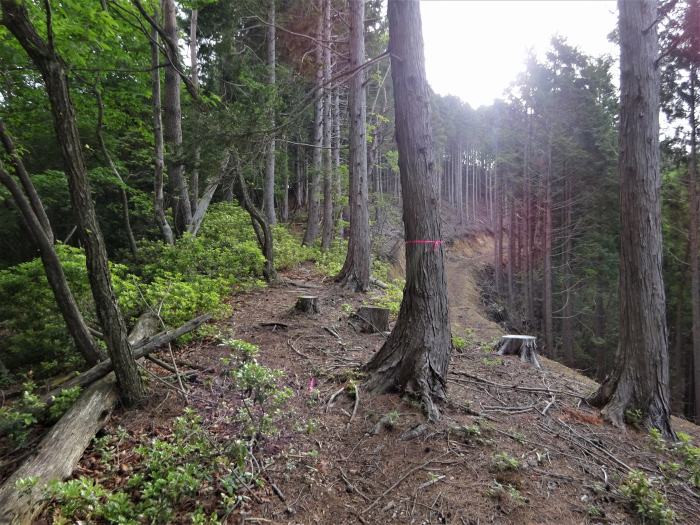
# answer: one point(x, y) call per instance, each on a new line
point(284, 214)
point(547, 253)
point(328, 216)
point(269, 188)
point(158, 154)
point(194, 76)
point(567, 328)
point(314, 186)
point(26, 182)
point(355, 273)
point(416, 355)
point(75, 323)
point(16, 19)
point(140, 350)
point(512, 252)
point(639, 379)
point(338, 211)
point(180, 196)
point(260, 225)
point(498, 263)
point(694, 234)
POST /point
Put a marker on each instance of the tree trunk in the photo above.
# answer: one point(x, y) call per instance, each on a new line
point(260, 224)
point(356, 269)
point(180, 196)
point(416, 355)
point(26, 182)
point(338, 212)
point(284, 215)
point(498, 263)
point(328, 217)
point(529, 303)
point(567, 328)
point(639, 379)
point(16, 18)
point(158, 154)
point(512, 252)
point(547, 254)
point(307, 304)
point(194, 76)
point(140, 350)
point(269, 188)
point(314, 186)
point(74, 320)
point(205, 200)
point(694, 223)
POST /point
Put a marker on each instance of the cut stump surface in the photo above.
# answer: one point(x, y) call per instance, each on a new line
point(524, 346)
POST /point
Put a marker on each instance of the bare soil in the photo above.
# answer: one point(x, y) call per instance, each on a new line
point(329, 467)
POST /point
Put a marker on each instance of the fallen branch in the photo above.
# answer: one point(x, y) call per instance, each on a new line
point(57, 453)
point(139, 350)
point(516, 387)
point(410, 471)
point(297, 352)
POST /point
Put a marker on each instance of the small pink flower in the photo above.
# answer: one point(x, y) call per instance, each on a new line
point(312, 384)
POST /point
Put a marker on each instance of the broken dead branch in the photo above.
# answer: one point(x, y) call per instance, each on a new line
point(140, 350)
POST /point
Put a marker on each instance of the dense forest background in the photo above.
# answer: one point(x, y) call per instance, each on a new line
point(194, 117)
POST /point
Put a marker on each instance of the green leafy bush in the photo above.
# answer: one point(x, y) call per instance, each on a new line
point(646, 501)
point(168, 478)
point(503, 461)
point(34, 328)
point(263, 397)
point(18, 418)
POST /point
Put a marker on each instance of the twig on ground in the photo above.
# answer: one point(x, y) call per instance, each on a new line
point(398, 482)
point(357, 402)
point(291, 345)
point(332, 398)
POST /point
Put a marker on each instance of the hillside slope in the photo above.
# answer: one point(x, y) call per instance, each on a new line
point(515, 444)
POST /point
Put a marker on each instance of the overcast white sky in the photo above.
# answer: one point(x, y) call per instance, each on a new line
point(475, 48)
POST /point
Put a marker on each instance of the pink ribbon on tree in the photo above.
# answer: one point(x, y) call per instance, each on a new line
point(436, 244)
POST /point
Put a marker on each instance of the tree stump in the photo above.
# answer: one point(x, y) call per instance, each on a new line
point(524, 346)
point(372, 319)
point(307, 304)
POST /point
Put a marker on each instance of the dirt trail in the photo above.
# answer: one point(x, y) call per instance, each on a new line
point(464, 261)
point(515, 444)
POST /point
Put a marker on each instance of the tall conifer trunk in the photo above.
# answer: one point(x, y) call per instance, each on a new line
point(416, 355)
point(269, 189)
point(639, 380)
point(356, 270)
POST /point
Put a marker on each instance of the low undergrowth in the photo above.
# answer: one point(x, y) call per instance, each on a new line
point(190, 475)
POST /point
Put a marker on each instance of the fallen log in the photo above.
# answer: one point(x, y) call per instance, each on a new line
point(57, 453)
point(140, 350)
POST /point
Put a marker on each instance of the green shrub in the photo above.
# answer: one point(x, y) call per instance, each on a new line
point(63, 401)
point(690, 455)
point(647, 502)
point(459, 343)
point(168, 476)
point(503, 461)
point(263, 397)
point(18, 418)
point(35, 331)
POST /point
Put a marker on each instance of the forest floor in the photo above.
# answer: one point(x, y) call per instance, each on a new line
point(515, 444)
